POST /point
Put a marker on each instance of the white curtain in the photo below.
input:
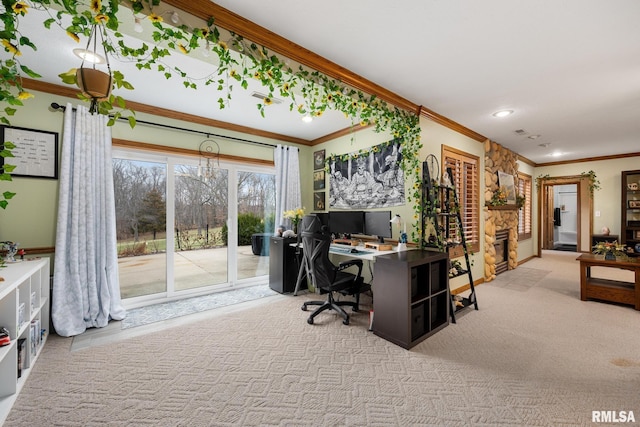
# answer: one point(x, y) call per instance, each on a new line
point(287, 182)
point(86, 291)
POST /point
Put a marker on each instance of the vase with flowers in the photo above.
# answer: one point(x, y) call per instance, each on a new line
point(610, 250)
point(295, 216)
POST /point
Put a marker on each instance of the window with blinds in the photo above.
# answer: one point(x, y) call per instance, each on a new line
point(524, 215)
point(466, 178)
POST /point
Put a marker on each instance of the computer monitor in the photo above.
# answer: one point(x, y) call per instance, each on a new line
point(378, 223)
point(346, 222)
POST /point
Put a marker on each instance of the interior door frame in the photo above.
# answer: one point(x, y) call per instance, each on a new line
point(585, 207)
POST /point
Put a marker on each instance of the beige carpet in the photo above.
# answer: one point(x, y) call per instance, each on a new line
point(534, 354)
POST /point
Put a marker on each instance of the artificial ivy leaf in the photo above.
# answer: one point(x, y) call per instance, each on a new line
point(30, 72)
point(9, 146)
point(69, 77)
point(132, 121)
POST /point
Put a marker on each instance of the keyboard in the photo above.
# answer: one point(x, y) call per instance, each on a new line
point(346, 250)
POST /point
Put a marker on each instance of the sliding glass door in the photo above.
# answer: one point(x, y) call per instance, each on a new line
point(140, 187)
point(191, 230)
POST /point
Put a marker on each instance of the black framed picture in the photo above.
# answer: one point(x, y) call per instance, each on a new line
point(319, 201)
point(35, 154)
point(318, 160)
point(318, 180)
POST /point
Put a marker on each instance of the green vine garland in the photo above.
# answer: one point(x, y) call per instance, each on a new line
point(316, 91)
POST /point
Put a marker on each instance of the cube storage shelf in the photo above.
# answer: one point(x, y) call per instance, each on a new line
point(24, 312)
point(411, 296)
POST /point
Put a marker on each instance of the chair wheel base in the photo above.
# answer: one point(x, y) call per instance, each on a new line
point(345, 322)
point(310, 320)
point(303, 308)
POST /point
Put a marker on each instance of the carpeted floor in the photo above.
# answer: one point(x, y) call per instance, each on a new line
point(533, 355)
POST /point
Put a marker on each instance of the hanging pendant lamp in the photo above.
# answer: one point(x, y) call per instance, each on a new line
point(94, 83)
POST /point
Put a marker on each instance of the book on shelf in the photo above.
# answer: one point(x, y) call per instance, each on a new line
point(22, 344)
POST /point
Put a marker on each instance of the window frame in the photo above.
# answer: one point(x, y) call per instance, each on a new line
point(468, 195)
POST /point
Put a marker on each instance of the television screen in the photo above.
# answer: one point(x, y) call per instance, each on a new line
point(346, 222)
point(378, 223)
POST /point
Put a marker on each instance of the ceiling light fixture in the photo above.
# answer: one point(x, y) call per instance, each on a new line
point(545, 145)
point(534, 136)
point(89, 56)
point(175, 18)
point(503, 113)
point(307, 118)
point(556, 154)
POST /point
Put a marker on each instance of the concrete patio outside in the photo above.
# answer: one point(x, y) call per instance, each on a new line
point(146, 274)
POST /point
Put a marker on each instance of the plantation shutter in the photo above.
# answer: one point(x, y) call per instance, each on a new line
point(465, 171)
point(524, 214)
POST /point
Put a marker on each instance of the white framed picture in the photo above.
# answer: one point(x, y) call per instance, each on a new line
point(507, 184)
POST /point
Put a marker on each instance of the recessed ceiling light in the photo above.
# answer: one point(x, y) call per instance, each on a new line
point(534, 136)
point(89, 56)
point(503, 113)
point(307, 118)
point(545, 145)
point(556, 154)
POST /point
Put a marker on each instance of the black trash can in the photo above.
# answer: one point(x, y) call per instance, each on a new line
point(260, 244)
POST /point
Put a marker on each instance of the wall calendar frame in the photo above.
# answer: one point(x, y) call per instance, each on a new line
point(35, 154)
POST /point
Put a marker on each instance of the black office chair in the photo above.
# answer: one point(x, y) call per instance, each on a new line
point(327, 277)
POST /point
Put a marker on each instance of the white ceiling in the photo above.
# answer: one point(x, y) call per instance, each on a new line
point(569, 69)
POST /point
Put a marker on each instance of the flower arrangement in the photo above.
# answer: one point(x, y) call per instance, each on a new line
point(610, 250)
point(499, 198)
point(295, 215)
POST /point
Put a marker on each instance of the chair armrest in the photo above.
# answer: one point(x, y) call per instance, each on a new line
point(350, 263)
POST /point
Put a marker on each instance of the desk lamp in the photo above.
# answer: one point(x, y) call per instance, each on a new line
point(402, 240)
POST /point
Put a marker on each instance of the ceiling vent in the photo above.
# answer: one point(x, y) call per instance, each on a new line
point(262, 96)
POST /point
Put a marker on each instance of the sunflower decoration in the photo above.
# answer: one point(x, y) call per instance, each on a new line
point(20, 8)
point(96, 5)
point(155, 18)
point(9, 47)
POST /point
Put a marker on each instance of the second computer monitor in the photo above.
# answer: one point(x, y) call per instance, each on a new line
point(378, 223)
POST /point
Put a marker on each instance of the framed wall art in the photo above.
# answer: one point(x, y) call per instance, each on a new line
point(319, 201)
point(318, 180)
point(506, 183)
point(35, 154)
point(634, 204)
point(318, 160)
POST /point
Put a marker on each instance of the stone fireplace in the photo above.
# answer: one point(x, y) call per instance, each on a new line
point(501, 222)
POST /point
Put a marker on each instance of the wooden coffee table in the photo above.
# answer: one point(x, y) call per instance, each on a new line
point(605, 289)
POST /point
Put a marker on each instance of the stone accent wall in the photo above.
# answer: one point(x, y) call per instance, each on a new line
point(497, 158)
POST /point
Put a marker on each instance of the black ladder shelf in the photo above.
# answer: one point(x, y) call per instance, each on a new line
point(441, 214)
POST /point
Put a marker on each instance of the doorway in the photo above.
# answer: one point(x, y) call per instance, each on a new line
point(565, 219)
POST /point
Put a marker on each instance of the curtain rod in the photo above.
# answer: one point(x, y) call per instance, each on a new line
point(57, 106)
